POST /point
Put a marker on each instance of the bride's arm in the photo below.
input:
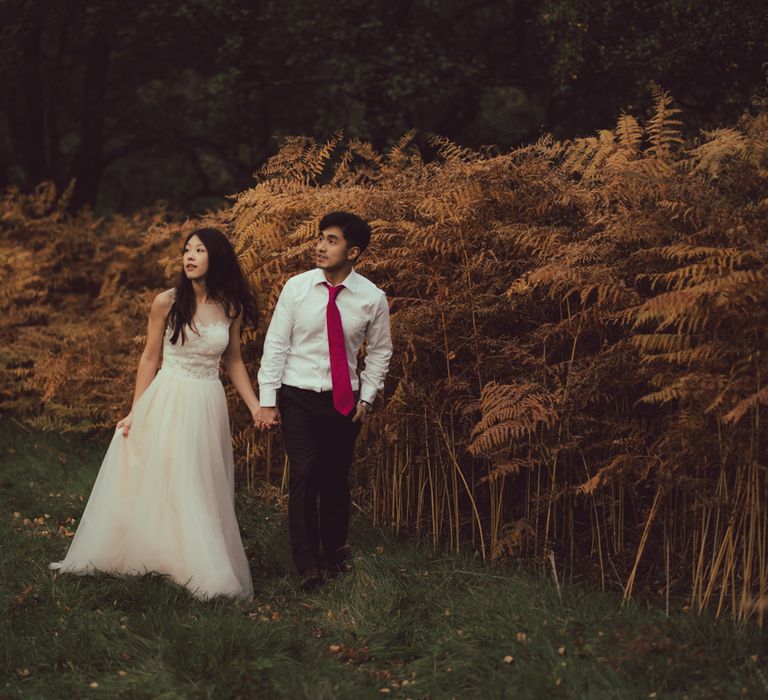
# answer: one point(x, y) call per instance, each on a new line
point(152, 354)
point(153, 348)
point(233, 362)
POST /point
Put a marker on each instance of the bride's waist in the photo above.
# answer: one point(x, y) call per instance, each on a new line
point(186, 371)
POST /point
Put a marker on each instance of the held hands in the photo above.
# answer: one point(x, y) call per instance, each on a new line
point(125, 424)
point(266, 417)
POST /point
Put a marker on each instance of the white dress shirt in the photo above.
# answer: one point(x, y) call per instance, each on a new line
point(296, 345)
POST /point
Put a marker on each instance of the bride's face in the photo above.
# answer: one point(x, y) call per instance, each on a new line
point(195, 259)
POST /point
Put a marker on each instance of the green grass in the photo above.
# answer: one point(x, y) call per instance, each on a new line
point(407, 620)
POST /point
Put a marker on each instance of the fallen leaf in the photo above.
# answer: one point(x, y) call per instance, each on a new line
point(357, 655)
point(23, 596)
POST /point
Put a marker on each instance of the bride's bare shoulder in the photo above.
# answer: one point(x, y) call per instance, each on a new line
point(164, 300)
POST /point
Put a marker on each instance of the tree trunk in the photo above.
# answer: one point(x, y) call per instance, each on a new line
point(32, 119)
point(89, 164)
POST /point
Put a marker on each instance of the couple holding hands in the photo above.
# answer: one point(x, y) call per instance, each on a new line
point(163, 500)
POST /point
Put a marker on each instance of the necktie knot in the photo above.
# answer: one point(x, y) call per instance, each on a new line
point(333, 292)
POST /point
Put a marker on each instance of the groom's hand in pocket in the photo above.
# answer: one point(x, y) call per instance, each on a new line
point(361, 412)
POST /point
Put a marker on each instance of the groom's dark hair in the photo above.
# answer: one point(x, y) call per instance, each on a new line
point(356, 231)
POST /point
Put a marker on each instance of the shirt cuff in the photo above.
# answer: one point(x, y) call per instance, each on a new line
point(367, 393)
point(268, 397)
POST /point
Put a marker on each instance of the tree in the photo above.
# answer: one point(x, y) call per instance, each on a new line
point(182, 100)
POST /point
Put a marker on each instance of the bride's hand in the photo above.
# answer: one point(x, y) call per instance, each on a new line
point(267, 417)
point(125, 424)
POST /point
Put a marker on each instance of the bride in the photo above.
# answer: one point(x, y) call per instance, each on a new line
point(163, 500)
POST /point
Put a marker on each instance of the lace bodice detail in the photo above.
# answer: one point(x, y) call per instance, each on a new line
point(200, 354)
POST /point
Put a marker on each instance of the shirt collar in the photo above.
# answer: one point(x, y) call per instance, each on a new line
point(350, 282)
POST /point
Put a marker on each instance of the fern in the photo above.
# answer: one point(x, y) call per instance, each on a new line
point(578, 326)
point(664, 129)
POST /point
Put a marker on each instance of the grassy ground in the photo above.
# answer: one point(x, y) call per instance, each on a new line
point(406, 622)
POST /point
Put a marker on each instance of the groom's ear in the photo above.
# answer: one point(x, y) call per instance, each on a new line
point(353, 253)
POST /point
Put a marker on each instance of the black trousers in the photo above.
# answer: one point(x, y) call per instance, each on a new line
point(320, 443)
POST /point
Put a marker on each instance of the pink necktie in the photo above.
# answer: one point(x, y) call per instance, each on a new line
point(343, 398)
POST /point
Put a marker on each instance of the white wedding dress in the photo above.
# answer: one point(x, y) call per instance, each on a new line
point(163, 500)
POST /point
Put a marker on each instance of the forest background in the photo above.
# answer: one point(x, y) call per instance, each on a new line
point(181, 101)
point(579, 319)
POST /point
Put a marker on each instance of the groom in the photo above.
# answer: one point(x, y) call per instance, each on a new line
point(308, 382)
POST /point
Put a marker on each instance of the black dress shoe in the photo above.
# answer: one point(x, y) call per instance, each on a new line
point(310, 579)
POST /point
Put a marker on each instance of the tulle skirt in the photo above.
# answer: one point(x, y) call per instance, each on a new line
point(163, 500)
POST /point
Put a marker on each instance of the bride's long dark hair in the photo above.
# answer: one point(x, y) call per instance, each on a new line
point(224, 282)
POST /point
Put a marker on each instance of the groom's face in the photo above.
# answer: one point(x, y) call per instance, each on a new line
point(333, 252)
